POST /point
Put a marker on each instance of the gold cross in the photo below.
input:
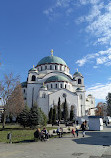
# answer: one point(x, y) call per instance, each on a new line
point(77, 69)
point(33, 66)
point(52, 52)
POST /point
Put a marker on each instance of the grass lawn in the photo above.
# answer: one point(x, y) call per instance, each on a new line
point(19, 134)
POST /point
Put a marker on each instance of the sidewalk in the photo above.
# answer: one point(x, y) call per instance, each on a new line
point(93, 145)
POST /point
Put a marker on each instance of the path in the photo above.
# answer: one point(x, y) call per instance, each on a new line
point(94, 145)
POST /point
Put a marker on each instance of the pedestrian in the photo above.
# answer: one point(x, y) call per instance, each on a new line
point(83, 127)
point(58, 122)
point(77, 132)
point(106, 123)
point(73, 132)
point(77, 122)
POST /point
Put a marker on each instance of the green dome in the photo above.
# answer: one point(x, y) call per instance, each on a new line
point(24, 84)
point(78, 89)
point(77, 74)
point(33, 69)
point(51, 59)
point(56, 79)
point(43, 86)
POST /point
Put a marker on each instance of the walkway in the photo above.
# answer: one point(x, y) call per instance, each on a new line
point(94, 145)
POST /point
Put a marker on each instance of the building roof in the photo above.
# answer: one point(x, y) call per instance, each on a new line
point(77, 74)
point(57, 78)
point(78, 89)
point(33, 69)
point(24, 84)
point(51, 59)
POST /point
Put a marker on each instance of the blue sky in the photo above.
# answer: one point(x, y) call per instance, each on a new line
point(79, 31)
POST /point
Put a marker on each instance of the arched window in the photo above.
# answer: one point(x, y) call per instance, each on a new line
point(50, 67)
point(41, 68)
point(45, 67)
point(65, 86)
point(61, 85)
point(80, 96)
point(60, 68)
point(55, 67)
point(51, 85)
point(79, 81)
point(43, 95)
point(91, 102)
point(56, 86)
point(33, 78)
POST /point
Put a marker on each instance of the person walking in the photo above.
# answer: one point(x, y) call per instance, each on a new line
point(73, 132)
point(83, 127)
point(77, 132)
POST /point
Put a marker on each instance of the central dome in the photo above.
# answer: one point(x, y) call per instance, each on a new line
point(51, 59)
point(57, 78)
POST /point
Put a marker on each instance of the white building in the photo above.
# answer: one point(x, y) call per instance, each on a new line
point(51, 79)
point(90, 105)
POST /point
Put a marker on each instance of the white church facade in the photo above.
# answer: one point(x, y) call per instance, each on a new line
point(51, 79)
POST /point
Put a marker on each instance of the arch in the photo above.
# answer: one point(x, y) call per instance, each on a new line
point(51, 86)
point(41, 68)
point(79, 81)
point(50, 67)
point(33, 78)
point(45, 67)
point(56, 86)
point(65, 86)
point(43, 95)
point(61, 85)
point(55, 67)
point(80, 96)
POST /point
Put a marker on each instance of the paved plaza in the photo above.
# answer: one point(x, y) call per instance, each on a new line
point(96, 144)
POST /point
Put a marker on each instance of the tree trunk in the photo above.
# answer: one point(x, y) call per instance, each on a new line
point(4, 120)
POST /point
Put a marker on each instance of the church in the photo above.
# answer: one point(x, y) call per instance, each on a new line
point(51, 79)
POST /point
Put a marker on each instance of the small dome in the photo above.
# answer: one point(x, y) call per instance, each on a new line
point(78, 89)
point(24, 84)
point(33, 69)
point(57, 78)
point(77, 74)
point(51, 59)
point(90, 95)
point(43, 86)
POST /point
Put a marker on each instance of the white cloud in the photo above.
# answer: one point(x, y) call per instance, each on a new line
point(96, 91)
point(98, 21)
point(60, 4)
point(109, 78)
point(102, 57)
point(84, 2)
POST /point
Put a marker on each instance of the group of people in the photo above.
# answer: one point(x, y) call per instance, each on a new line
point(42, 135)
point(83, 127)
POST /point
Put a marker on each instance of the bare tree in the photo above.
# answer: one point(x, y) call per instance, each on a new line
point(9, 88)
point(16, 101)
point(99, 109)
